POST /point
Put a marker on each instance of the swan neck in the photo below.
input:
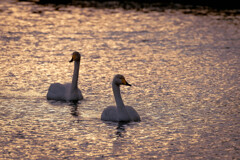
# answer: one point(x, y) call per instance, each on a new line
point(117, 96)
point(75, 75)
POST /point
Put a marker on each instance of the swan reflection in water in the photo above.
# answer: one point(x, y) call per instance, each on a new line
point(73, 104)
point(122, 140)
point(121, 129)
point(74, 108)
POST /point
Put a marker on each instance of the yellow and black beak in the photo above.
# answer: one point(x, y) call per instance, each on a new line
point(71, 60)
point(124, 82)
point(74, 57)
point(127, 84)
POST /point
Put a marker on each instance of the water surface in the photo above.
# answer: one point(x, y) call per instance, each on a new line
point(184, 71)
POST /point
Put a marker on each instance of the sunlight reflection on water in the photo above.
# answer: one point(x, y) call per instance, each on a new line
point(184, 70)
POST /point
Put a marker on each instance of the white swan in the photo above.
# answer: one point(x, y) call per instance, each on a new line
point(68, 91)
point(121, 112)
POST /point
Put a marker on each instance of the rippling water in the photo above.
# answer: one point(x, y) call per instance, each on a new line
point(184, 70)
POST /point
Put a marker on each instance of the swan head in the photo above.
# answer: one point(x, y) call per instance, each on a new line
point(76, 56)
point(120, 80)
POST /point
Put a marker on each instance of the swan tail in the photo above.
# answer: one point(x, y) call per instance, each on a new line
point(80, 96)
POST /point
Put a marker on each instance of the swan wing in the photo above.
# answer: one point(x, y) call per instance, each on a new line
point(72, 94)
point(110, 114)
point(56, 91)
point(133, 113)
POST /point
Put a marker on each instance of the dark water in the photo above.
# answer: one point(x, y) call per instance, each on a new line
point(184, 70)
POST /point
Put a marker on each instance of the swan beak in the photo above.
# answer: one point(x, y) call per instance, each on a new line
point(71, 60)
point(127, 84)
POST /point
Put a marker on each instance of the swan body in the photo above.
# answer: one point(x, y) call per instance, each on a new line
point(121, 112)
point(68, 91)
point(62, 92)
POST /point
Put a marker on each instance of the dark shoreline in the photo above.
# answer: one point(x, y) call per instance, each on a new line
point(230, 7)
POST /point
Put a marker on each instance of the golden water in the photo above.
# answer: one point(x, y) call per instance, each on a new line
point(184, 71)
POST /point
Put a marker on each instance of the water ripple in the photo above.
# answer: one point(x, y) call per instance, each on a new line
point(184, 71)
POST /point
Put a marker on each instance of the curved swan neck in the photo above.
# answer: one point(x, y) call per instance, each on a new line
point(117, 96)
point(75, 75)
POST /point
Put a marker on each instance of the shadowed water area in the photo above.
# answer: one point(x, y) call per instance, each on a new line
point(184, 71)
